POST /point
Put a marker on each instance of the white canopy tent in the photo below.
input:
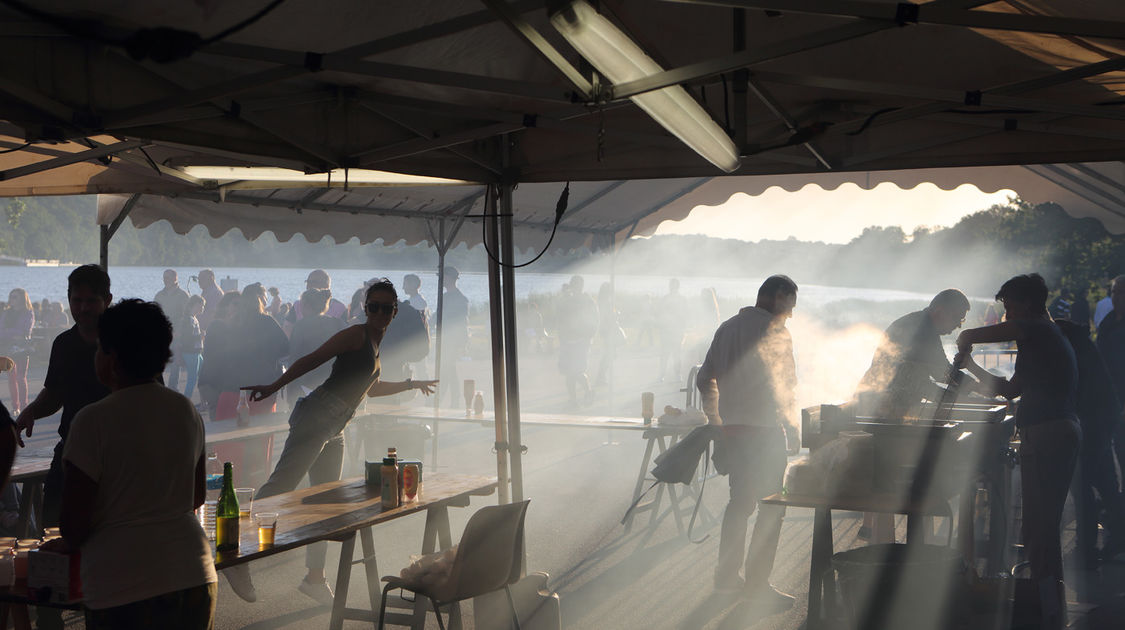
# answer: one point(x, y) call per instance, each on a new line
point(809, 90)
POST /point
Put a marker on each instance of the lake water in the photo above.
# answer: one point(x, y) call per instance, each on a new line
point(144, 282)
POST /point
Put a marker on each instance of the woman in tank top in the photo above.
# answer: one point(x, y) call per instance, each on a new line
point(315, 445)
point(1046, 381)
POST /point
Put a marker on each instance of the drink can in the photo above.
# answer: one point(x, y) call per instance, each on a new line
point(410, 479)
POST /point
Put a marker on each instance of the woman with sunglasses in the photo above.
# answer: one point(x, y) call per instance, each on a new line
point(315, 445)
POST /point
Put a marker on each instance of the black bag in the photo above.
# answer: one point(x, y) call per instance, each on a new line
point(678, 465)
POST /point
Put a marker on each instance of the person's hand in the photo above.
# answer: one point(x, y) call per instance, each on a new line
point(6, 364)
point(426, 387)
point(24, 422)
point(964, 346)
point(259, 392)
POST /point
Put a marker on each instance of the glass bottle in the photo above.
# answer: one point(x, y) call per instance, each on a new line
point(243, 410)
point(226, 513)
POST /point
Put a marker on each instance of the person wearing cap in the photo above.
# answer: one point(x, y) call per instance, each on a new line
point(319, 279)
point(211, 294)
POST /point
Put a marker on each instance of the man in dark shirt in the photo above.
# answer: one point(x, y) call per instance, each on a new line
point(911, 358)
point(454, 335)
point(71, 382)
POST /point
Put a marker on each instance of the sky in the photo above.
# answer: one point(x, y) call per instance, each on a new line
point(833, 216)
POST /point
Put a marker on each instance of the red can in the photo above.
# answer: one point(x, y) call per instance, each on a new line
point(410, 481)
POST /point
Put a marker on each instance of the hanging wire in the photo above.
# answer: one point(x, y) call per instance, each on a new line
point(560, 209)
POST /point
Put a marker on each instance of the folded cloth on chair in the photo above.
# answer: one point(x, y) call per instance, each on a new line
point(430, 569)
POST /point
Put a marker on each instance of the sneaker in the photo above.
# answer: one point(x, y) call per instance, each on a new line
point(771, 599)
point(319, 591)
point(238, 577)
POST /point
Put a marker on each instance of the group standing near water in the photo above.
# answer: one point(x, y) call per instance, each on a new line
point(106, 376)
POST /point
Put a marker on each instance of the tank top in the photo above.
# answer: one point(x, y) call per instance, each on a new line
point(354, 372)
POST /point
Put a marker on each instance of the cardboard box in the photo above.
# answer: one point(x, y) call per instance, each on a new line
point(55, 577)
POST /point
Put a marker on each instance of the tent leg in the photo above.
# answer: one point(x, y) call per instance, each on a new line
point(496, 314)
point(103, 249)
point(515, 444)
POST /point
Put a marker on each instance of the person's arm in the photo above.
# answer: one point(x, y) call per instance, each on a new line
point(390, 388)
point(996, 333)
point(77, 517)
point(46, 403)
point(8, 439)
point(346, 340)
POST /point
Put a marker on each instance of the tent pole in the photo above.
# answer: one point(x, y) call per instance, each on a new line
point(515, 444)
point(437, 353)
point(107, 231)
point(103, 249)
point(499, 396)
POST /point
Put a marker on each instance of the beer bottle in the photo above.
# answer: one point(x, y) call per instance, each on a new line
point(226, 513)
point(243, 411)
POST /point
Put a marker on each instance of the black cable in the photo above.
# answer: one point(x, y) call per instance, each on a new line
point(244, 23)
point(560, 208)
point(871, 119)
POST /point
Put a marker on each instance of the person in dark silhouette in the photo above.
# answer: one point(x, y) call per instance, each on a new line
point(1111, 345)
point(134, 478)
point(1099, 413)
point(454, 336)
point(1046, 380)
point(70, 385)
point(910, 359)
point(577, 325)
point(1080, 309)
point(747, 383)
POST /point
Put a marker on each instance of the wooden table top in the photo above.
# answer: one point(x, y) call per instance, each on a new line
point(334, 510)
point(884, 503)
point(526, 418)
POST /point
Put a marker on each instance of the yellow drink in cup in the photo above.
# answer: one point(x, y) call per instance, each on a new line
point(267, 527)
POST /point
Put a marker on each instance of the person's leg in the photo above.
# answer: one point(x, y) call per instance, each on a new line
point(732, 535)
point(14, 391)
point(1085, 507)
point(174, 373)
point(188, 609)
point(192, 363)
point(1047, 455)
point(326, 468)
point(769, 460)
point(22, 365)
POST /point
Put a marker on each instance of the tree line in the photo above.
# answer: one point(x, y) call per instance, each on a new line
point(977, 254)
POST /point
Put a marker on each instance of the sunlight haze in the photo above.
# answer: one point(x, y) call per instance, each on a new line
point(833, 216)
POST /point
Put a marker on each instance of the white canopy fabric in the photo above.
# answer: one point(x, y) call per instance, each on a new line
point(599, 213)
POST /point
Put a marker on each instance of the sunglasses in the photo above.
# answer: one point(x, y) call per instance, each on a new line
point(374, 308)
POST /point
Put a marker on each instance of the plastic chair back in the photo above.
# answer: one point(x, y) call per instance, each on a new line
point(490, 554)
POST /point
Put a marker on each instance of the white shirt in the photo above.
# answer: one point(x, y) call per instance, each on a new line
point(141, 445)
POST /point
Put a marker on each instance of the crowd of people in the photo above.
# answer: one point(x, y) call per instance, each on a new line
point(118, 368)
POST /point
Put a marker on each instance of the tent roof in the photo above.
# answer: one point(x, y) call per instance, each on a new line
point(823, 90)
point(427, 87)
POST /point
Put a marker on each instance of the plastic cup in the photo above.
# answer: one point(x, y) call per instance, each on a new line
point(245, 498)
point(267, 527)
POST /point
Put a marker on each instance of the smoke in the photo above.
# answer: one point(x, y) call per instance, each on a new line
point(830, 361)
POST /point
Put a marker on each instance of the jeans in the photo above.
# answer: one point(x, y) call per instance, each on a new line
point(192, 362)
point(756, 459)
point(315, 446)
point(188, 609)
point(1048, 452)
